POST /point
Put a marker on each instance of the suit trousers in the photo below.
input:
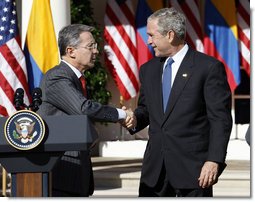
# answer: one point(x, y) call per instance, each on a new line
point(163, 188)
point(73, 175)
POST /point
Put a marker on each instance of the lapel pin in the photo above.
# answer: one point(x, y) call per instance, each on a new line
point(185, 75)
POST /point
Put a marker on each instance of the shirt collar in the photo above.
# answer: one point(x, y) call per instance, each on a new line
point(178, 57)
point(181, 53)
point(76, 71)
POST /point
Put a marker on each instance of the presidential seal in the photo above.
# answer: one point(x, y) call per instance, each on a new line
point(24, 130)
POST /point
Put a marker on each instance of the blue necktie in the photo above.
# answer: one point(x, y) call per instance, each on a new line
point(166, 82)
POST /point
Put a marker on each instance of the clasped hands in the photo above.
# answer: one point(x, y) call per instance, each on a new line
point(130, 121)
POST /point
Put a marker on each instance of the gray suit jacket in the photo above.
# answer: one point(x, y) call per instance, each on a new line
point(62, 95)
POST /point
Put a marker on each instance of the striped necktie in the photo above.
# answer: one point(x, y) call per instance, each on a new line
point(166, 82)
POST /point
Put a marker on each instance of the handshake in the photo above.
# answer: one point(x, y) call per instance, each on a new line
point(130, 121)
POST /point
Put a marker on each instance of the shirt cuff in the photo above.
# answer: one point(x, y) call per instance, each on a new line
point(122, 114)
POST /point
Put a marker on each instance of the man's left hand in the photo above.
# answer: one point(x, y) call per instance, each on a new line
point(208, 175)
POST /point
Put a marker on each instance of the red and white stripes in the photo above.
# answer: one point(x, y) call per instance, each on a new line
point(13, 75)
point(120, 46)
point(194, 33)
point(243, 18)
point(13, 72)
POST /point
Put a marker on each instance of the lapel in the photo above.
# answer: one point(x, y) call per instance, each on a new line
point(71, 74)
point(158, 90)
point(182, 77)
point(152, 79)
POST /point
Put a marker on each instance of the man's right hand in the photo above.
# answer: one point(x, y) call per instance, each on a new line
point(130, 122)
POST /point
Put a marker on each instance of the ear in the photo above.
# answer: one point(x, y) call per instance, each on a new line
point(171, 35)
point(70, 51)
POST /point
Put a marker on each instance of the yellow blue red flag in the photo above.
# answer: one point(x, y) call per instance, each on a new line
point(221, 37)
point(40, 49)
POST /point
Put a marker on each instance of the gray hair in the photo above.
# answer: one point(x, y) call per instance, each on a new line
point(170, 19)
point(70, 36)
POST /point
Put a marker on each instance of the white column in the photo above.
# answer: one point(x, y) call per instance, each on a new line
point(25, 14)
point(60, 10)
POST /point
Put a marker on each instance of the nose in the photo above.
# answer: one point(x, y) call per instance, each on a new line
point(149, 40)
point(96, 51)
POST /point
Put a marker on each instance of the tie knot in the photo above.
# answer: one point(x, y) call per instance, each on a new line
point(82, 78)
point(170, 62)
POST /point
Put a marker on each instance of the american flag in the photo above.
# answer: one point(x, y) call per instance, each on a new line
point(194, 26)
point(243, 18)
point(13, 72)
point(120, 46)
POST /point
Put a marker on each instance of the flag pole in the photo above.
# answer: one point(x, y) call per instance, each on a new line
point(121, 137)
point(4, 176)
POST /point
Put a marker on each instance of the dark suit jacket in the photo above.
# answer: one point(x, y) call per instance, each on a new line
point(196, 125)
point(62, 95)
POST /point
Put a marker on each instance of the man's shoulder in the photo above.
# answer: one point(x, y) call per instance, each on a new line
point(60, 69)
point(203, 56)
point(155, 61)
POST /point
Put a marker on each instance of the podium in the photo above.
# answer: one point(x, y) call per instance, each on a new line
point(30, 169)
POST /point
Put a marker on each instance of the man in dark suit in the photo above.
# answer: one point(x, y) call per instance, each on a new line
point(188, 137)
point(64, 93)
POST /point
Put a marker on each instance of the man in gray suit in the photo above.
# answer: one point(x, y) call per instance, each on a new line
point(63, 94)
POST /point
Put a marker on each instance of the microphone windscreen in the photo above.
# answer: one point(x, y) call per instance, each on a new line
point(19, 91)
point(37, 92)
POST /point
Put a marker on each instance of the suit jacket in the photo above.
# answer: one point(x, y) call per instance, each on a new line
point(196, 125)
point(62, 95)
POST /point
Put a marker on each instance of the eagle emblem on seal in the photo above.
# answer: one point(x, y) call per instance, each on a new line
point(24, 130)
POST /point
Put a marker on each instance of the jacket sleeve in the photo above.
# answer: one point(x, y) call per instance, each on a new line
point(217, 95)
point(60, 91)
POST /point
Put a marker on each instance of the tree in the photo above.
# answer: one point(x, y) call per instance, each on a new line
point(96, 78)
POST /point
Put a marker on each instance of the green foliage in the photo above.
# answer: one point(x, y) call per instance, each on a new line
point(96, 78)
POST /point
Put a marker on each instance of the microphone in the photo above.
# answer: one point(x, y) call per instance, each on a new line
point(36, 98)
point(19, 98)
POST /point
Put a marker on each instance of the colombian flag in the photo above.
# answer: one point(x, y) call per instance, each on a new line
point(40, 49)
point(144, 9)
point(221, 40)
